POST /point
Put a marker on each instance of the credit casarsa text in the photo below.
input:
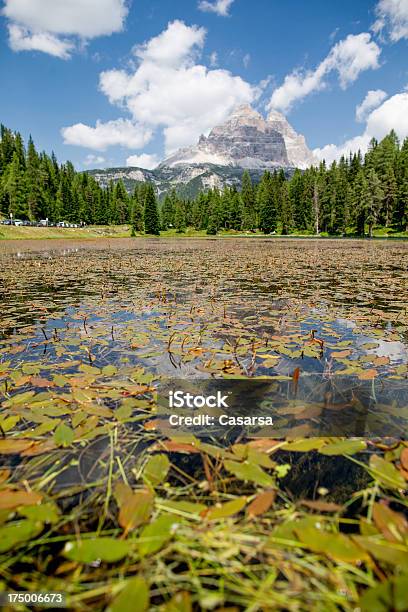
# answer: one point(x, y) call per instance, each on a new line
point(200, 420)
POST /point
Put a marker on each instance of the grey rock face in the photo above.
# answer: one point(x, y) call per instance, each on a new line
point(299, 154)
point(246, 140)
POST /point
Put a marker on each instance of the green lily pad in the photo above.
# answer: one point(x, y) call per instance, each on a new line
point(103, 549)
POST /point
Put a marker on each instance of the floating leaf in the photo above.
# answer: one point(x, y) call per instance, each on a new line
point(261, 504)
point(304, 446)
point(341, 354)
point(11, 498)
point(109, 370)
point(393, 525)
point(135, 509)
point(15, 534)
point(14, 446)
point(368, 374)
point(134, 596)
point(46, 513)
point(156, 534)
point(9, 423)
point(249, 472)
point(225, 510)
point(386, 473)
point(95, 549)
point(63, 435)
point(177, 447)
point(382, 550)
point(335, 545)
point(38, 448)
point(20, 398)
point(283, 470)
point(156, 469)
point(344, 447)
point(381, 361)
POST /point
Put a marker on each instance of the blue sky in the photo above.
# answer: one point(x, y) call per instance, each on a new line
point(135, 80)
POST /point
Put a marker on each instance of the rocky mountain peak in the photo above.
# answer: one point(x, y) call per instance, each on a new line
point(245, 111)
point(298, 152)
point(275, 116)
point(247, 140)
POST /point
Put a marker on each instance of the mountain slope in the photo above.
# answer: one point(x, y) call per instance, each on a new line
point(188, 181)
point(244, 141)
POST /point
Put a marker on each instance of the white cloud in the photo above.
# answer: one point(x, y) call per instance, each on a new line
point(392, 114)
point(348, 58)
point(373, 99)
point(332, 152)
point(220, 7)
point(393, 16)
point(21, 39)
point(54, 26)
point(169, 90)
point(214, 59)
point(145, 160)
point(93, 160)
point(176, 45)
point(121, 132)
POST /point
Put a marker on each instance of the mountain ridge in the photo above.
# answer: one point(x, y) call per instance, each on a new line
point(245, 141)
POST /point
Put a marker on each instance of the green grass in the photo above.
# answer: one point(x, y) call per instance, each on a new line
point(123, 231)
point(48, 233)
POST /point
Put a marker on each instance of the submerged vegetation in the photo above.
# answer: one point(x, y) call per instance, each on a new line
point(353, 196)
point(102, 500)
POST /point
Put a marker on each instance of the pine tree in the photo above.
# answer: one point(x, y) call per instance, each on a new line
point(151, 213)
point(180, 217)
point(34, 180)
point(136, 214)
point(296, 196)
point(235, 207)
point(14, 188)
point(341, 202)
point(286, 210)
point(249, 220)
point(122, 203)
point(361, 202)
point(7, 148)
point(168, 211)
point(389, 185)
point(267, 205)
point(200, 211)
point(374, 200)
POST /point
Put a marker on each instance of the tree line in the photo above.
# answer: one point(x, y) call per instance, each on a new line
point(353, 195)
point(35, 186)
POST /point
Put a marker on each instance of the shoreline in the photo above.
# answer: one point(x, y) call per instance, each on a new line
point(97, 233)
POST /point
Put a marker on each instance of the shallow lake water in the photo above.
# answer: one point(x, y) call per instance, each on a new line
point(324, 321)
point(95, 486)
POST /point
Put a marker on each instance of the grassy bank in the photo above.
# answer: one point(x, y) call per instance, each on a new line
point(44, 233)
point(123, 231)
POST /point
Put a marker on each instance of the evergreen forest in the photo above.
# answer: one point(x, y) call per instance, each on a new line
point(352, 196)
